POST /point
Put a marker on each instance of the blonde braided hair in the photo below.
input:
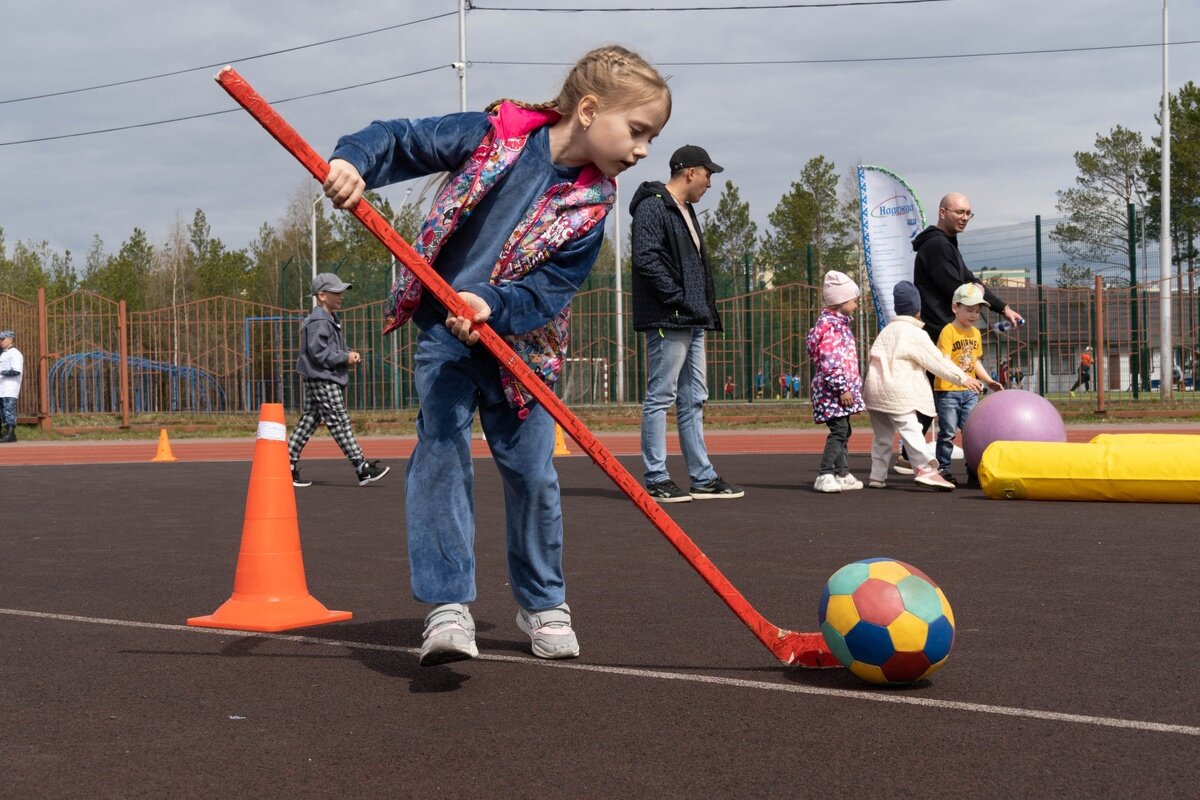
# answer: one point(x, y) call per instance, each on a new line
point(618, 77)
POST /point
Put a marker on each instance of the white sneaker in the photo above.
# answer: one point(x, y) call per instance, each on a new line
point(449, 635)
point(828, 483)
point(550, 632)
point(849, 483)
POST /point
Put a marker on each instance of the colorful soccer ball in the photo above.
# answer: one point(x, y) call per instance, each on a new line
point(886, 621)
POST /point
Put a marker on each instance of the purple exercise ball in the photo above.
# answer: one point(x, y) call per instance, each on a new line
point(1010, 415)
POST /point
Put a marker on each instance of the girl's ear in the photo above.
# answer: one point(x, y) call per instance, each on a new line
point(587, 109)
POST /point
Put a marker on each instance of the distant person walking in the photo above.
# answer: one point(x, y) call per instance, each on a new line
point(1085, 371)
point(324, 364)
point(12, 367)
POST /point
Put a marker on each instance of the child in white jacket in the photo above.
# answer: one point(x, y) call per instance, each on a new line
point(897, 387)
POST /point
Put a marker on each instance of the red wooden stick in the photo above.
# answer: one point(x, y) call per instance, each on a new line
point(790, 647)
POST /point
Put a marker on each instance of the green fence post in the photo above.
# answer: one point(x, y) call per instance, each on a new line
point(812, 311)
point(747, 349)
point(1043, 334)
point(1134, 333)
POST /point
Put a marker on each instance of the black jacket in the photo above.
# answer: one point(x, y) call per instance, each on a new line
point(938, 270)
point(672, 282)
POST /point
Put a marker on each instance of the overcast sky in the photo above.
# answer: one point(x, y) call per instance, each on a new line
point(1001, 128)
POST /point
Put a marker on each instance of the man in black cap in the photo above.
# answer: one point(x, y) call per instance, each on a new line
point(674, 304)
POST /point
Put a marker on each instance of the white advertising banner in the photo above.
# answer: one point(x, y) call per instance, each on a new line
point(891, 217)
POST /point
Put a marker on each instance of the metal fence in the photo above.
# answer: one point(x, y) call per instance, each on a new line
point(87, 354)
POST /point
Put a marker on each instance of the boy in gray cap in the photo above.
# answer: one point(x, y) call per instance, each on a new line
point(323, 363)
point(12, 364)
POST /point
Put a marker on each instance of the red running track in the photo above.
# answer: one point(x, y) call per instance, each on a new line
point(620, 443)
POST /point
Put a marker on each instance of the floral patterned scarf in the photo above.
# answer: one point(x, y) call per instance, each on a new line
point(565, 211)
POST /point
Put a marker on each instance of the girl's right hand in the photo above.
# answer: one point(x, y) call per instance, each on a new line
point(462, 327)
point(344, 186)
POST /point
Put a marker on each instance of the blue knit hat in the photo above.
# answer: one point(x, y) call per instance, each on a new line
point(7, 335)
point(906, 300)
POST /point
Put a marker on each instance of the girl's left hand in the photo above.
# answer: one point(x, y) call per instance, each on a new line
point(461, 326)
point(847, 399)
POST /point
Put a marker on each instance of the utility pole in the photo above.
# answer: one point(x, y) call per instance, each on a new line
point(620, 298)
point(316, 201)
point(1166, 358)
point(460, 66)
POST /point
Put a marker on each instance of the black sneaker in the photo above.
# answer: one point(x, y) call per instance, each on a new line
point(296, 479)
point(667, 492)
point(370, 471)
point(716, 489)
point(945, 473)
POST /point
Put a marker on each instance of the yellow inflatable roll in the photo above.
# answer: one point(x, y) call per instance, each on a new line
point(1147, 438)
point(1135, 468)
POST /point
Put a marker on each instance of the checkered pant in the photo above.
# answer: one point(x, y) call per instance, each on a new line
point(323, 403)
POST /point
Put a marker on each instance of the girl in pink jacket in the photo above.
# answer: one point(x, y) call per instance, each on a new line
point(836, 385)
point(897, 387)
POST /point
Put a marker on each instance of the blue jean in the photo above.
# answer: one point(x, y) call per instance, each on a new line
point(8, 411)
point(953, 408)
point(675, 375)
point(453, 382)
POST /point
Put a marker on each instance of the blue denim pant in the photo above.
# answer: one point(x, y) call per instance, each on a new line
point(953, 408)
point(8, 411)
point(675, 375)
point(453, 382)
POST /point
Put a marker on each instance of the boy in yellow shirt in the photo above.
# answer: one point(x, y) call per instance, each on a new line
point(961, 342)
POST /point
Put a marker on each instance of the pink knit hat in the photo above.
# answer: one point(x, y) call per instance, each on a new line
point(838, 288)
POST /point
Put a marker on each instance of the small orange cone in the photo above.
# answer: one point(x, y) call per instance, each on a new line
point(560, 444)
point(269, 589)
point(164, 448)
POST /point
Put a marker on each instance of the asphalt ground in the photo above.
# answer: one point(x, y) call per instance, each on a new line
point(1071, 674)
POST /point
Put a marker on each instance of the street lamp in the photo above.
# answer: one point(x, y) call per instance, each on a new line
point(316, 200)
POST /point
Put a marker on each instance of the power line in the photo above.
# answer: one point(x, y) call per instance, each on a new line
point(218, 113)
point(764, 62)
point(223, 63)
point(778, 7)
point(767, 62)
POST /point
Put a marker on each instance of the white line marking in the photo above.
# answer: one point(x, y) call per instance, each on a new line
point(875, 697)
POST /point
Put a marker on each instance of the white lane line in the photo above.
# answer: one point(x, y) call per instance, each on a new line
point(873, 697)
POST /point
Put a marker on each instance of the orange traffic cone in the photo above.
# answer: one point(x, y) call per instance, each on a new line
point(560, 444)
point(269, 589)
point(164, 448)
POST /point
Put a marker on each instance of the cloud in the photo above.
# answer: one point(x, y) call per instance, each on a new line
point(1003, 128)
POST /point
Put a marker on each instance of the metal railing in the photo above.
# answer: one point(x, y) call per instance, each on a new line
point(87, 354)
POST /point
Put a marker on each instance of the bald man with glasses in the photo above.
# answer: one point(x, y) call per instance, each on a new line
point(938, 271)
point(939, 268)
